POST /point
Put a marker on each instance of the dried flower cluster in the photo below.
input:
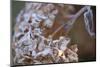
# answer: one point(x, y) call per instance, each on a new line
point(30, 44)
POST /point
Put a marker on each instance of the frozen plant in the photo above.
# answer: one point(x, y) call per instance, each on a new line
point(30, 41)
point(88, 18)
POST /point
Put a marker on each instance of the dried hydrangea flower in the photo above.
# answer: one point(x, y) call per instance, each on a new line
point(32, 44)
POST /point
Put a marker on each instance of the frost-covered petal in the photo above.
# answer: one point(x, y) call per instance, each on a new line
point(33, 53)
point(48, 23)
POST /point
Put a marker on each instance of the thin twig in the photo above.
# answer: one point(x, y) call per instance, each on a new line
point(72, 21)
